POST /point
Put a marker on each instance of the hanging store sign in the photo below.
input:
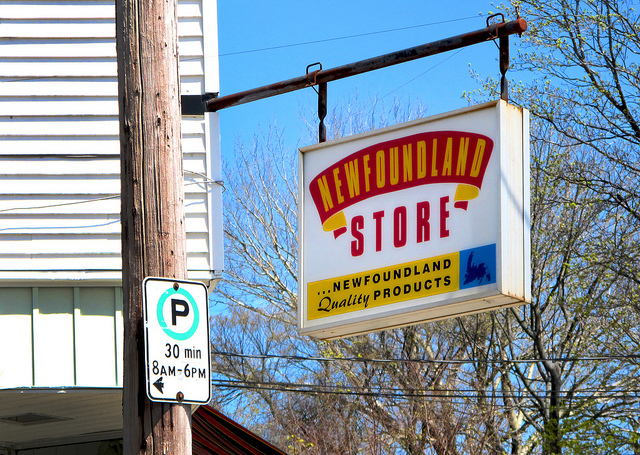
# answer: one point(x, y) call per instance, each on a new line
point(420, 221)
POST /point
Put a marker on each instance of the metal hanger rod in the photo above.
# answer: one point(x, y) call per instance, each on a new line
point(492, 32)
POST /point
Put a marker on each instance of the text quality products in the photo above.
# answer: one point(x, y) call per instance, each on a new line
point(423, 278)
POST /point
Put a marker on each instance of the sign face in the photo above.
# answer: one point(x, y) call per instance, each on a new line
point(176, 315)
point(420, 221)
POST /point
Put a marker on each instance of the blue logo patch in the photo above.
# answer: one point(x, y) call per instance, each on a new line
point(478, 266)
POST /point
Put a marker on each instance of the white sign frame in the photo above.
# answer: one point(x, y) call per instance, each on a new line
point(177, 341)
point(499, 203)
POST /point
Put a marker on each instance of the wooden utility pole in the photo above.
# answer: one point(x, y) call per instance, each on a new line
point(153, 232)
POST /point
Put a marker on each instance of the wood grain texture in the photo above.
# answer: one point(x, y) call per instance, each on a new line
point(153, 231)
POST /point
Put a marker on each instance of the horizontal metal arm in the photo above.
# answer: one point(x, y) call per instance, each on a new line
point(490, 33)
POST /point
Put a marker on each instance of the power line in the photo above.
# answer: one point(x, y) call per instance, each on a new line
point(445, 392)
point(359, 35)
point(423, 73)
point(61, 204)
point(429, 361)
point(283, 46)
point(206, 180)
point(448, 394)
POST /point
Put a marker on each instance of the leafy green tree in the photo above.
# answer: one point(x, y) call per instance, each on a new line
point(557, 376)
point(583, 57)
point(424, 401)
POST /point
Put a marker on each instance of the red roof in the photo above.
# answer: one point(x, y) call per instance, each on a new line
point(214, 433)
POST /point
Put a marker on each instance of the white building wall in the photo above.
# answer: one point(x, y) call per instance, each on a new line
point(59, 148)
point(61, 337)
point(60, 266)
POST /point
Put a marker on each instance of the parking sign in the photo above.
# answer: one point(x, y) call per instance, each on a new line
point(177, 347)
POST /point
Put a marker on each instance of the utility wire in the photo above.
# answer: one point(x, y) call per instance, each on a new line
point(305, 43)
point(423, 73)
point(325, 40)
point(428, 361)
point(444, 391)
point(447, 394)
point(112, 196)
point(61, 204)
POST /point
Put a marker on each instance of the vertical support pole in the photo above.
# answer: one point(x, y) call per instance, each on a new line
point(504, 66)
point(152, 205)
point(322, 111)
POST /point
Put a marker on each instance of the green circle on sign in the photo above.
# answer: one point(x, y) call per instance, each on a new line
point(196, 315)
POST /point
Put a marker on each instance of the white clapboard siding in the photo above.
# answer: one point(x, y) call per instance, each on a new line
point(31, 106)
point(105, 67)
point(190, 47)
point(59, 151)
point(103, 87)
point(84, 28)
point(60, 244)
point(40, 11)
point(77, 205)
point(12, 166)
point(191, 85)
point(192, 66)
point(101, 262)
point(81, 28)
point(77, 145)
point(58, 48)
point(81, 224)
point(190, 27)
point(64, 205)
point(80, 126)
point(67, 10)
point(22, 68)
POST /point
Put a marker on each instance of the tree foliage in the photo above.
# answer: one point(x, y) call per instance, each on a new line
point(584, 98)
point(557, 376)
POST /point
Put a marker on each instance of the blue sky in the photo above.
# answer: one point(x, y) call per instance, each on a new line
point(274, 28)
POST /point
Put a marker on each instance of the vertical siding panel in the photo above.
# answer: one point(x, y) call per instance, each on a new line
point(214, 193)
point(76, 320)
point(210, 46)
point(119, 338)
point(95, 337)
point(16, 354)
point(53, 337)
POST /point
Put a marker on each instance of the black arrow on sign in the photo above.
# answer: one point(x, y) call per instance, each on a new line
point(159, 385)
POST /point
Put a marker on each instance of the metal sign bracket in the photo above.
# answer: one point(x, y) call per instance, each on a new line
point(320, 77)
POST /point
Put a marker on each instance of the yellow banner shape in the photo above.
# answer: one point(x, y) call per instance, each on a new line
point(384, 286)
